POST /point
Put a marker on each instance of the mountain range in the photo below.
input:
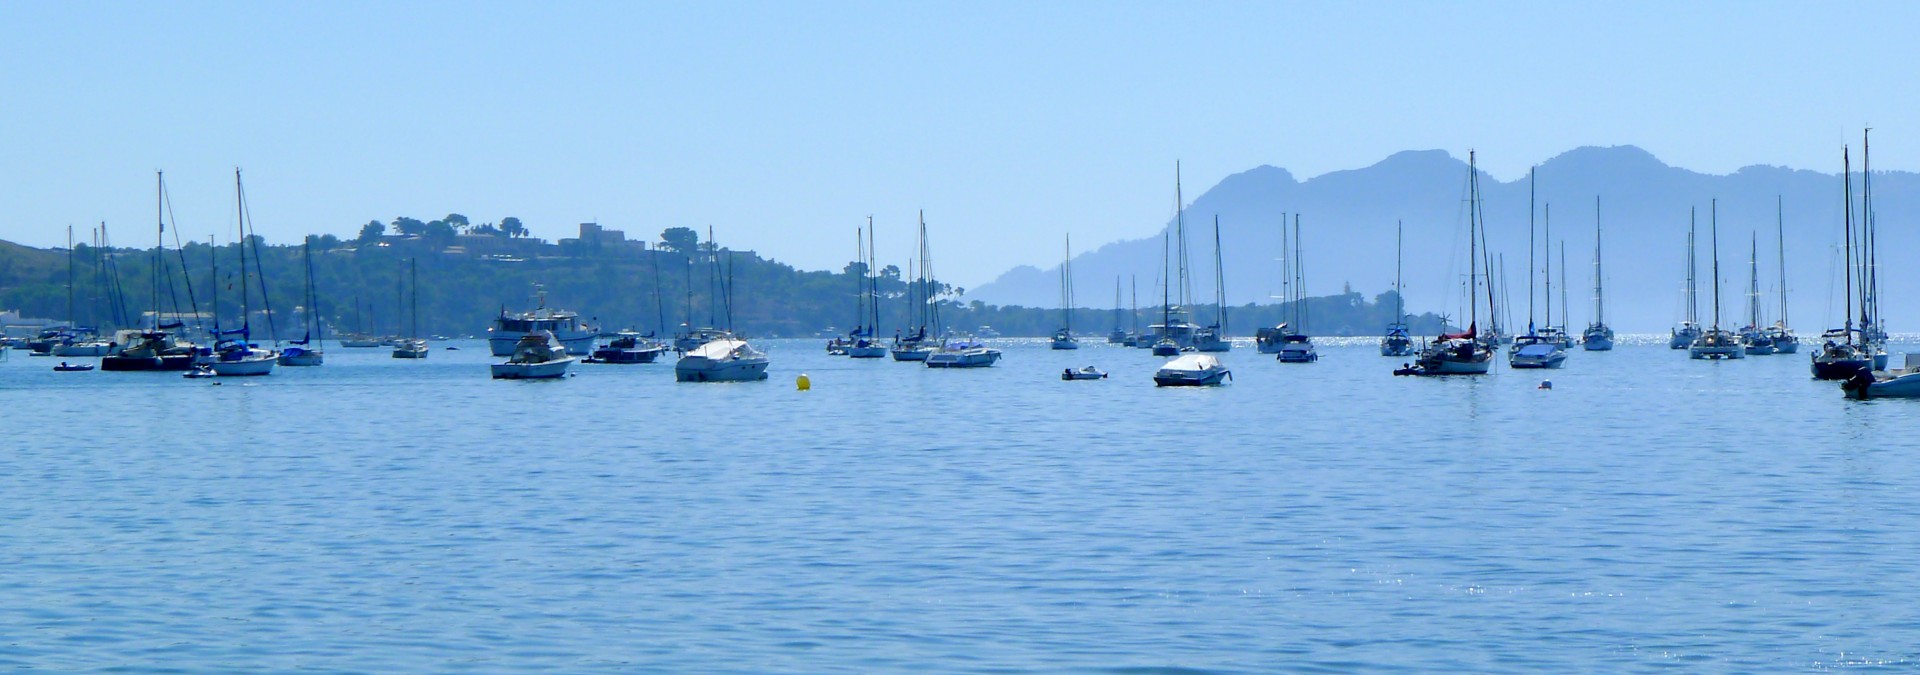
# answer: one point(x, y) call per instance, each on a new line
point(1347, 230)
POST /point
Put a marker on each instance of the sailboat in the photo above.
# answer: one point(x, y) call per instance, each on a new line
point(78, 340)
point(951, 351)
point(158, 347)
point(633, 347)
point(1716, 343)
point(913, 344)
point(1466, 352)
point(725, 357)
point(310, 349)
point(1063, 338)
point(359, 338)
point(1541, 346)
point(866, 342)
point(1873, 333)
point(1295, 345)
point(1398, 341)
point(1682, 336)
point(1784, 341)
point(1598, 337)
point(1119, 335)
point(1174, 333)
point(1753, 337)
point(234, 353)
point(1845, 353)
point(1213, 337)
point(412, 346)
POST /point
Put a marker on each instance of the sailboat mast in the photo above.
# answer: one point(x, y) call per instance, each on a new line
point(1531, 246)
point(240, 206)
point(1693, 293)
point(860, 283)
point(1715, 219)
point(1846, 171)
point(1564, 323)
point(1753, 282)
point(1219, 281)
point(159, 240)
point(1780, 226)
point(1473, 246)
point(1399, 299)
point(1599, 305)
point(70, 322)
point(873, 283)
point(1299, 278)
point(1869, 273)
point(1547, 218)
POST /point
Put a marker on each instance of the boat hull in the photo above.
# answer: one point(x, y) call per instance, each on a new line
point(578, 343)
point(531, 371)
point(299, 358)
point(84, 349)
point(912, 354)
point(123, 363)
point(970, 358)
point(626, 356)
point(251, 366)
point(1298, 355)
point(702, 369)
point(1064, 344)
point(869, 352)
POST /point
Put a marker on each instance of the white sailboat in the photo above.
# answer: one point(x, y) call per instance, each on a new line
point(1213, 337)
point(1295, 345)
point(915, 343)
point(1716, 343)
point(1174, 333)
point(1398, 341)
point(866, 340)
point(1598, 337)
point(1784, 341)
point(412, 346)
point(310, 349)
point(1540, 347)
point(1682, 336)
point(1063, 338)
point(1754, 337)
point(1467, 352)
point(234, 353)
point(1119, 335)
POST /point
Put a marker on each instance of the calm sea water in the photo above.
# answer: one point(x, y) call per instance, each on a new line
point(1648, 512)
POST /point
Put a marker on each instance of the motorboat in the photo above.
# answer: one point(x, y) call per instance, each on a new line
point(722, 359)
point(1085, 373)
point(575, 335)
point(411, 348)
point(1865, 383)
point(538, 356)
point(1297, 348)
point(691, 338)
point(1192, 370)
point(627, 348)
point(963, 353)
point(199, 371)
point(149, 350)
point(1531, 351)
point(65, 367)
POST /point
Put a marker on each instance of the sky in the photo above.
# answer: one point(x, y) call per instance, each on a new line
point(785, 125)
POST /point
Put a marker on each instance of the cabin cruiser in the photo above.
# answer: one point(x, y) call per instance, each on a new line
point(1085, 373)
point(1534, 351)
point(537, 356)
point(963, 353)
point(1192, 370)
point(410, 348)
point(722, 359)
point(576, 336)
point(627, 347)
point(1297, 348)
point(149, 350)
point(692, 338)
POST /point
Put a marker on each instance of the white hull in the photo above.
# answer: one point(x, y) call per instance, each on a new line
point(532, 371)
point(702, 369)
point(912, 354)
point(362, 343)
point(1295, 353)
point(1717, 352)
point(873, 352)
point(979, 357)
point(1193, 370)
point(260, 363)
point(1556, 360)
point(577, 343)
point(84, 349)
point(411, 350)
point(1065, 344)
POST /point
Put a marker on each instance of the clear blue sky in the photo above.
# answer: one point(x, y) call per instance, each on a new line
point(784, 125)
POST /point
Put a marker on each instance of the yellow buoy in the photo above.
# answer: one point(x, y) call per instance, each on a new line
point(802, 382)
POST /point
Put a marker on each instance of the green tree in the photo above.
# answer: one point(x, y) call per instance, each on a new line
point(512, 227)
point(457, 221)
point(440, 233)
point(680, 239)
point(409, 226)
point(371, 232)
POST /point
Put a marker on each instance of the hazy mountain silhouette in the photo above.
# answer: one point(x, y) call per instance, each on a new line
point(1347, 223)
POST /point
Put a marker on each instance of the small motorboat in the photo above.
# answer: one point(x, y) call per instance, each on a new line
point(65, 367)
point(1087, 373)
point(200, 371)
point(1192, 370)
point(537, 356)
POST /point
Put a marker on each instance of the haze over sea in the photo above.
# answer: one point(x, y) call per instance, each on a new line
point(371, 514)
